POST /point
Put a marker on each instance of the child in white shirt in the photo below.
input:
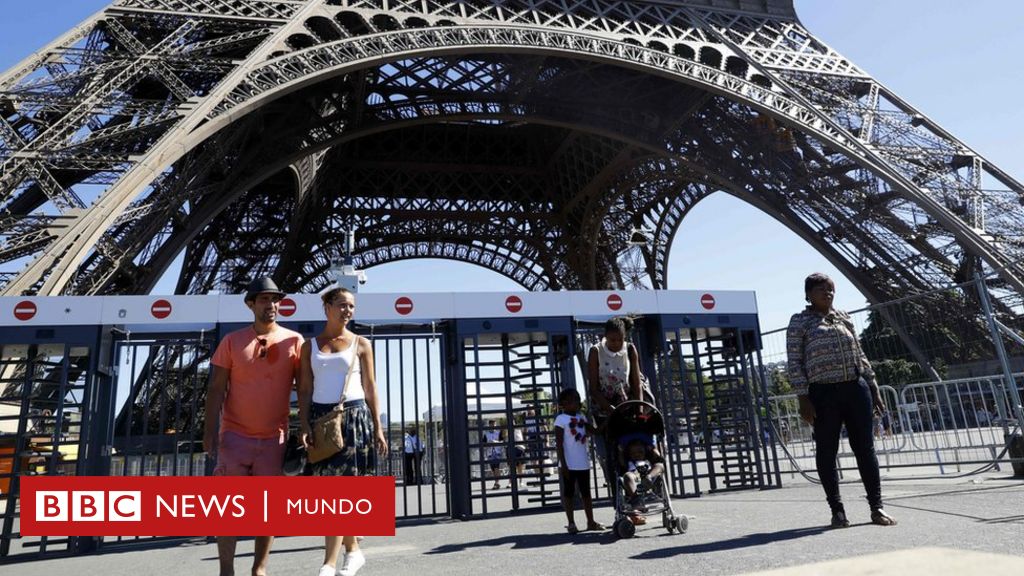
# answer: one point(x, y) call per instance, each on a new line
point(571, 432)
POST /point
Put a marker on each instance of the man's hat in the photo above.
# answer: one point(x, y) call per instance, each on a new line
point(263, 285)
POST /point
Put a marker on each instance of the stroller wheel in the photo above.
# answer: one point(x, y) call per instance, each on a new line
point(682, 523)
point(624, 528)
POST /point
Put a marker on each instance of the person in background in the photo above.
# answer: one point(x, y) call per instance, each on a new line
point(983, 416)
point(413, 456)
point(534, 433)
point(492, 439)
point(835, 385)
point(518, 454)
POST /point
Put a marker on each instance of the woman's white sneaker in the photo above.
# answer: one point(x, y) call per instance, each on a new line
point(326, 570)
point(353, 562)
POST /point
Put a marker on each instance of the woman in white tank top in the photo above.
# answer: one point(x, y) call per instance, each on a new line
point(613, 369)
point(325, 365)
point(613, 372)
point(328, 365)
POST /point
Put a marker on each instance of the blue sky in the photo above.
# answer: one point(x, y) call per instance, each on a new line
point(953, 60)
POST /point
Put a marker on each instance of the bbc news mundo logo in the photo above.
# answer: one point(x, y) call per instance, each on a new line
point(207, 506)
point(88, 506)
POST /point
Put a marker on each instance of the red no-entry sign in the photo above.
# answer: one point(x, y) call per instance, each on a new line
point(160, 309)
point(707, 301)
point(513, 304)
point(286, 307)
point(25, 310)
point(614, 302)
point(403, 305)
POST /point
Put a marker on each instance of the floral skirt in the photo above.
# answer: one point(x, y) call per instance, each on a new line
point(358, 458)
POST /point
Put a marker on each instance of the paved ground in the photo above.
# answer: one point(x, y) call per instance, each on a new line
point(944, 525)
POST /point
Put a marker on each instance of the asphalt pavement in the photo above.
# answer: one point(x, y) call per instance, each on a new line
point(950, 526)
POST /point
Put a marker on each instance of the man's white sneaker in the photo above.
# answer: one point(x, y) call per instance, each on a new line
point(353, 562)
point(326, 570)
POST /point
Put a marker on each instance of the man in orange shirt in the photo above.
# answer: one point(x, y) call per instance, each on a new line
point(254, 373)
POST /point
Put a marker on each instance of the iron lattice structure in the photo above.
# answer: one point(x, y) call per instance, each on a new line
point(530, 137)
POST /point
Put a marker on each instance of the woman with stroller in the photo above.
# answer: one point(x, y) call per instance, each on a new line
point(613, 371)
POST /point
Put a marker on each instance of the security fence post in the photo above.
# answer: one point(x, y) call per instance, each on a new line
point(1014, 441)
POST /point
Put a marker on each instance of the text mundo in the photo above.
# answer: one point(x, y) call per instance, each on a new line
point(125, 506)
point(339, 506)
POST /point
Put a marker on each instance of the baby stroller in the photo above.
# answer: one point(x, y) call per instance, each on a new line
point(630, 422)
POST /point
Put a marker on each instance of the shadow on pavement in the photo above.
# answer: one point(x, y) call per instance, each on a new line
point(273, 552)
point(759, 539)
point(528, 541)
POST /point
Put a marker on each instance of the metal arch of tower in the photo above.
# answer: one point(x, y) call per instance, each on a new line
point(224, 199)
point(826, 100)
point(939, 214)
point(615, 131)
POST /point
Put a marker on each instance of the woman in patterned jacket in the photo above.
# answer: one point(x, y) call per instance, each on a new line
point(835, 385)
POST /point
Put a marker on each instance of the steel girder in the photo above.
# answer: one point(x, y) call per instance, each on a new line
point(166, 101)
point(459, 105)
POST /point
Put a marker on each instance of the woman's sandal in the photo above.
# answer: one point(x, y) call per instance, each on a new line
point(572, 529)
point(839, 520)
point(881, 518)
point(596, 527)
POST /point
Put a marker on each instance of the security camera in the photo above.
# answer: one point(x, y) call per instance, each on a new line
point(362, 277)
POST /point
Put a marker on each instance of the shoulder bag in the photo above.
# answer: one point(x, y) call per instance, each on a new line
point(329, 429)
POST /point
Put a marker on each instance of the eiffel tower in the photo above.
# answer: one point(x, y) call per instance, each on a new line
point(560, 143)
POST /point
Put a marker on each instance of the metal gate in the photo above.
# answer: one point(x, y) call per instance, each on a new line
point(589, 333)
point(161, 384)
point(713, 401)
point(410, 367)
point(156, 405)
point(46, 390)
point(510, 373)
point(93, 399)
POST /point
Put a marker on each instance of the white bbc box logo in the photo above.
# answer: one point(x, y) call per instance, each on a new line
point(88, 506)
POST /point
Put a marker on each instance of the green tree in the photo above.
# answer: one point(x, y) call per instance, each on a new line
point(945, 326)
point(778, 379)
point(898, 372)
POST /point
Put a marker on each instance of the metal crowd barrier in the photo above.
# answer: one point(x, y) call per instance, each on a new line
point(948, 425)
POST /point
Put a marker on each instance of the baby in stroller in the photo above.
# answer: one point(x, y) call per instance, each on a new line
point(637, 431)
point(644, 466)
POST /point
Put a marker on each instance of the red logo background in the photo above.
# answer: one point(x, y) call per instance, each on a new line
point(264, 500)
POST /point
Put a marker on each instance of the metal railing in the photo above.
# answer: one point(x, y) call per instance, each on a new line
point(946, 425)
point(936, 335)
